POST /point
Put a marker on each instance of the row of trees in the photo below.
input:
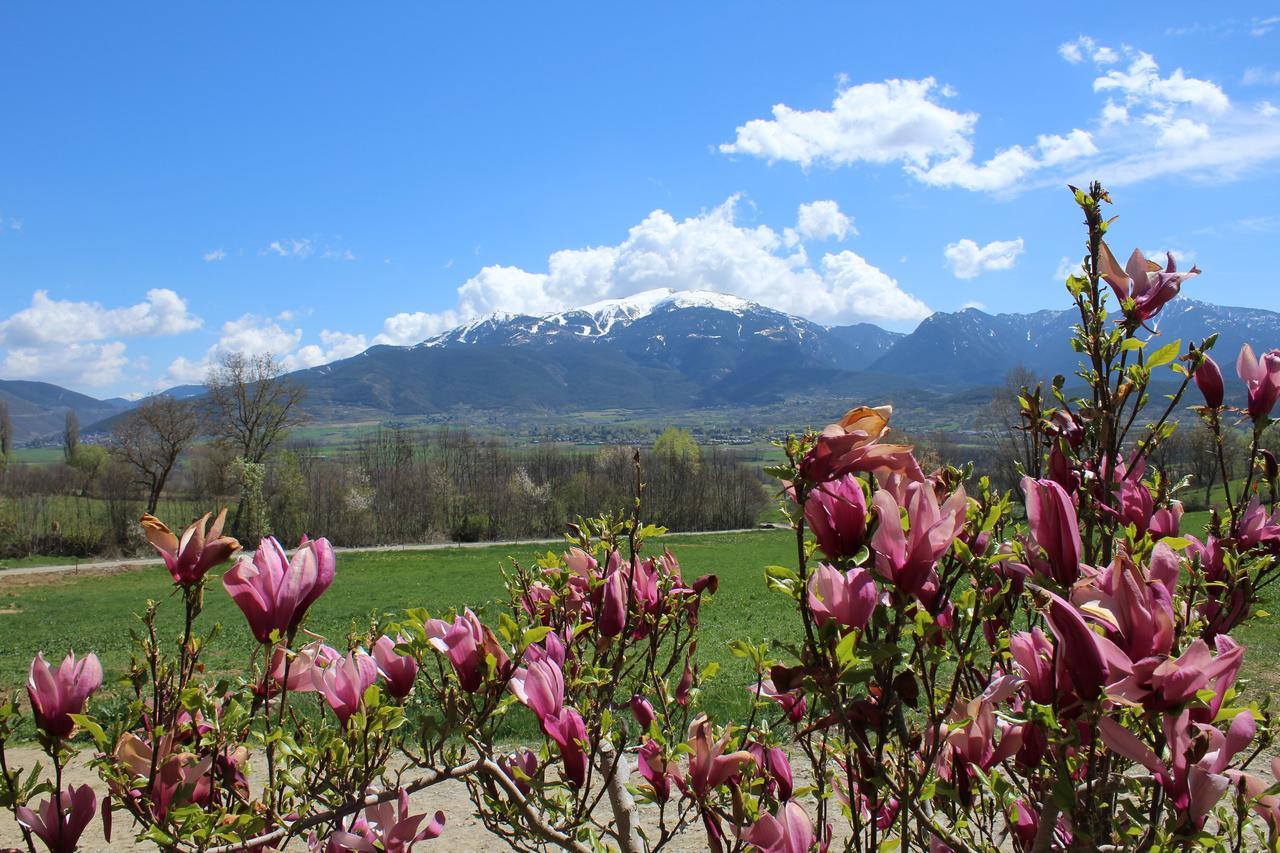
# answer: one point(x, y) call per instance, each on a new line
point(394, 486)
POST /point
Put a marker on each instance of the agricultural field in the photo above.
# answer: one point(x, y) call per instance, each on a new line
point(97, 613)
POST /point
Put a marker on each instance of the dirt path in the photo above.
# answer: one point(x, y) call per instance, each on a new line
point(97, 567)
point(462, 832)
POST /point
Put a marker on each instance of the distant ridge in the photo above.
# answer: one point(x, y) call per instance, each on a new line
point(674, 350)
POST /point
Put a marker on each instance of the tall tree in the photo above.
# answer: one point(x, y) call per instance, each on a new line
point(252, 403)
point(6, 434)
point(150, 438)
point(70, 436)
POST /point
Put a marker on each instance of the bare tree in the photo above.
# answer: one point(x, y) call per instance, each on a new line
point(1001, 419)
point(70, 436)
point(6, 434)
point(252, 404)
point(150, 438)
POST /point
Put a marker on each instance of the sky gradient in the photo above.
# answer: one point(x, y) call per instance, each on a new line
point(179, 181)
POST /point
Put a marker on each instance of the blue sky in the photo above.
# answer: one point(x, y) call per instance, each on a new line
point(180, 180)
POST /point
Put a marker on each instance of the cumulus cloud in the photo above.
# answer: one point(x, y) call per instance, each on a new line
point(214, 255)
point(967, 259)
point(1084, 47)
point(900, 121)
point(822, 220)
point(252, 334)
point(77, 342)
point(710, 251)
point(1150, 124)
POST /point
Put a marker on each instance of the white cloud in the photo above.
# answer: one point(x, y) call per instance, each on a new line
point(214, 255)
point(893, 121)
point(967, 259)
point(300, 247)
point(1084, 47)
point(1260, 77)
point(1066, 267)
point(974, 304)
point(822, 220)
point(1262, 26)
point(710, 251)
point(900, 121)
point(1141, 85)
point(252, 335)
point(77, 342)
point(57, 321)
point(1186, 125)
point(83, 364)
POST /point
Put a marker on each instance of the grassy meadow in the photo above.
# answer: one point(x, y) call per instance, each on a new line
point(97, 612)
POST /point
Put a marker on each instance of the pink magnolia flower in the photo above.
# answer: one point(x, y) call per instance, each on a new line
point(398, 670)
point(1209, 381)
point(775, 769)
point(836, 512)
point(1033, 656)
point(642, 710)
point(851, 444)
point(312, 656)
point(540, 686)
point(791, 701)
point(386, 827)
point(569, 733)
point(521, 768)
point(709, 765)
point(1193, 787)
point(275, 591)
point(467, 644)
point(1166, 521)
point(60, 824)
point(972, 735)
point(1144, 281)
point(198, 551)
point(1134, 605)
point(1256, 528)
point(343, 683)
point(789, 830)
point(611, 613)
point(1265, 805)
point(1081, 655)
point(1052, 518)
point(182, 777)
point(1261, 375)
point(908, 558)
point(55, 694)
point(848, 598)
point(658, 770)
point(1164, 683)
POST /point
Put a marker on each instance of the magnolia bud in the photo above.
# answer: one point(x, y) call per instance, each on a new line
point(1209, 380)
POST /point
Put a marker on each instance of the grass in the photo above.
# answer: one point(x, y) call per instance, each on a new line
point(97, 613)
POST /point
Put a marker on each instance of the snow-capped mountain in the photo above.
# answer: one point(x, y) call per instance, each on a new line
point(668, 349)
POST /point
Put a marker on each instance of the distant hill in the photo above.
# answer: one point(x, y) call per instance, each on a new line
point(668, 350)
point(40, 408)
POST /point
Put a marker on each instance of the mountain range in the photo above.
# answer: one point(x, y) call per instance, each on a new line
point(668, 350)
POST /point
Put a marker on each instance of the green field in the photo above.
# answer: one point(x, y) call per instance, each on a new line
point(96, 613)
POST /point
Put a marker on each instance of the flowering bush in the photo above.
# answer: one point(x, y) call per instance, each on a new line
point(957, 679)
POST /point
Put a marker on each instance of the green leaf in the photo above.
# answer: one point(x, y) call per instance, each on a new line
point(1131, 344)
point(1165, 354)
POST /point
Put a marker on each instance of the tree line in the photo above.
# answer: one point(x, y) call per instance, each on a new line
point(236, 445)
